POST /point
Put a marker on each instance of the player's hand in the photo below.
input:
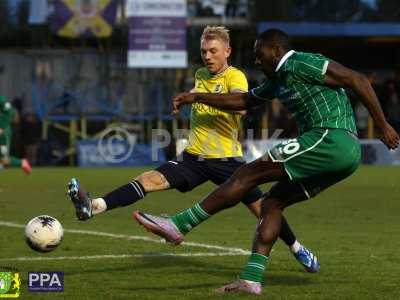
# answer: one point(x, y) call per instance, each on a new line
point(390, 137)
point(180, 100)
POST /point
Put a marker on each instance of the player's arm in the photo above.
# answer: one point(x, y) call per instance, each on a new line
point(237, 83)
point(238, 112)
point(231, 101)
point(340, 76)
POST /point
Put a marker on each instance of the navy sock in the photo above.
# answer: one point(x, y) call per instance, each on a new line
point(125, 195)
point(286, 233)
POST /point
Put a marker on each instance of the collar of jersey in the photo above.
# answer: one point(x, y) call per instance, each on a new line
point(219, 74)
point(284, 59)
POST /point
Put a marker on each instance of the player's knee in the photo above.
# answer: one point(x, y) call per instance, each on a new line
point(153, 181)
point(252, 174)
point(240, 179)
point(242, 172)
point(237, 184)
point(271, 204)
point(266, 236)
point(268, 231)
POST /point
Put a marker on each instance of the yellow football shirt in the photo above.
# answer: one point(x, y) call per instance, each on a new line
point(214, 132)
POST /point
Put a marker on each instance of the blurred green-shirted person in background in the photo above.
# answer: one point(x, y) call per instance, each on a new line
point(7, 115)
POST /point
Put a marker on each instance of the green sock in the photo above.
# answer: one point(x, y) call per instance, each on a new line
point(15, 162)
point(255, 267)
point(190, 218)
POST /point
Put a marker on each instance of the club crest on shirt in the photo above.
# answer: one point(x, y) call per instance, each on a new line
point(218, 88)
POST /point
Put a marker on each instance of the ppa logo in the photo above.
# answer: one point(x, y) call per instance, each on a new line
point(46, 281)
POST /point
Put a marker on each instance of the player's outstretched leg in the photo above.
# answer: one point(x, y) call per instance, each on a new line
point(81, 200)
point(225, 196)
point(172, 232)
point(160, 226)
point(124, 195)
point(174, 228)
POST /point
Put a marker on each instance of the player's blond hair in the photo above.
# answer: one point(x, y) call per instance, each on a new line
point(216, 33)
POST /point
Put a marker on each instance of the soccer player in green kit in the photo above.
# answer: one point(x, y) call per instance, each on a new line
point(7, 115)
point(326, 151)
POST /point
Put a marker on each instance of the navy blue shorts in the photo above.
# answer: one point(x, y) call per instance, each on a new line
point(188, 171)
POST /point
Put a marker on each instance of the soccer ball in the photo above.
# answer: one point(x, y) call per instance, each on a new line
point(43, 233)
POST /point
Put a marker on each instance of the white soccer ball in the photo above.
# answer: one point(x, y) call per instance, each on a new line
point(43, 233)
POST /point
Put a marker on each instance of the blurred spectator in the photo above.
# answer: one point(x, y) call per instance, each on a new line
point(231, 8)
point(374, 80)
point(17, 140)
point(17, 103)
point(31, 134)
point(360, 111)
point(397, 77)
point(218, 8)
point(391, 105)
point(205, 8)
point(243, 7)
point(362, 115)
point(191, 8)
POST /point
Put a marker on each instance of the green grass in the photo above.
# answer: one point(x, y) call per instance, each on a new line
point(353, 228)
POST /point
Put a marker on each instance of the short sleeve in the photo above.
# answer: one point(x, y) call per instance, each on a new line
point(261, 94)
point(237, 81)
point(311, 68)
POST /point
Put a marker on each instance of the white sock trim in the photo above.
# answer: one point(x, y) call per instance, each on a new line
point(250, 282)
point(137, 188)
point(295, 247)
point(99, 205)
point(203, 213)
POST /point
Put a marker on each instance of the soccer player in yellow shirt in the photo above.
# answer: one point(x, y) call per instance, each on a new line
point(213, 153)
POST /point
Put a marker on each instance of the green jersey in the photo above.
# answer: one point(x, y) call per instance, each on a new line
point(300, 86)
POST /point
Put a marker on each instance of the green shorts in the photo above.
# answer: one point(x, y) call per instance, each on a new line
point(318, 158)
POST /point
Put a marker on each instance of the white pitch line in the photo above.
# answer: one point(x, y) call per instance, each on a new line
point(137, 237)
point(200, 254)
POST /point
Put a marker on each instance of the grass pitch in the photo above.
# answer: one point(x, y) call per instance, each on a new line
point(353, 228)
